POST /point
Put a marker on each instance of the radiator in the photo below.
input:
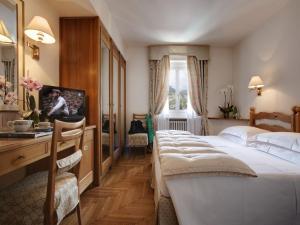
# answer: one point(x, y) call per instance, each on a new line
point(178, 124)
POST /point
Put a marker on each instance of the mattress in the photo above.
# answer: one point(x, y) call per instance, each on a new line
point(269, 199)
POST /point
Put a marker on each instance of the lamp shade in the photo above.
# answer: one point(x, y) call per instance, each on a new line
point(4, 35)
point(39, 30)
point(256, 82)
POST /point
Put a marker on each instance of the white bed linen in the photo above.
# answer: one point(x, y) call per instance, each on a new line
point(269, 199)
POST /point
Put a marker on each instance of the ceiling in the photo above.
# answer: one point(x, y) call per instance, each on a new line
point(213, 22)
point(73, 7)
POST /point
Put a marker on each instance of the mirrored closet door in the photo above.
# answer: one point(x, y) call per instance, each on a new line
point(122, 103)
point(106, 154)
point(115, 102)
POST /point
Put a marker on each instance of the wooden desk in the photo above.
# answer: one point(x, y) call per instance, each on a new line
point(16, 153)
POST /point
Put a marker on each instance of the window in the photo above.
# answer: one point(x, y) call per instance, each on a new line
point(178, 84)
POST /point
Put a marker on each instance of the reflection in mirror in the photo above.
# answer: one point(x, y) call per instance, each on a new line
point(122, 105)
point(105, 101)
point(8, 52)
point(115, 101)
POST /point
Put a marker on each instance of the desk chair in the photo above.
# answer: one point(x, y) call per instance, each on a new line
point(46, 198)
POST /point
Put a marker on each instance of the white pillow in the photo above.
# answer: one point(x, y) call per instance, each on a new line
point(241, 134)
point(287, 140)
point(285, 145)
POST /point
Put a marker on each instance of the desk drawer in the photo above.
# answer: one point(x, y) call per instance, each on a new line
point(14, 159)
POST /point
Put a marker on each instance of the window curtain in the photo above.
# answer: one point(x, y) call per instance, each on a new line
point(159, 86)
point(163, 119)
point(193, 120)
point(198, 83)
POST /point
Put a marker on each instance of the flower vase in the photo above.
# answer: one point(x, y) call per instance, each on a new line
point(226, 115)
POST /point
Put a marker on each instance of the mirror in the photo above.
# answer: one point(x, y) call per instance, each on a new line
point(122, 105)
point(105, 134)
point(116, 101)
point(11, 52)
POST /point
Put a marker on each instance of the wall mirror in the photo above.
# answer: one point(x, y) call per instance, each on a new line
point(105, 133)
point(115, 87)
point(11, 52)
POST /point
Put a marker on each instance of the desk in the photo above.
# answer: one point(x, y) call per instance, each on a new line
point(16, 153)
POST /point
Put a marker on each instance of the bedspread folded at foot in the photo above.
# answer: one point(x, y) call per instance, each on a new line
point(217, 164)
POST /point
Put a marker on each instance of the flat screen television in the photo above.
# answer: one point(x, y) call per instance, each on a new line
point(63, 104)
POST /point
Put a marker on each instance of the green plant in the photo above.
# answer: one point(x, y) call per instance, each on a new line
point(228, 108)
point(31, 113)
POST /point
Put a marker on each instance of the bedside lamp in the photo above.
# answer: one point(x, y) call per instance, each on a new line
point(257, 84)
point(5, 37)
point(39, 30)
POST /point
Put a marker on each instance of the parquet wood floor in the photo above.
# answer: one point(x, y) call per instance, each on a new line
point(124, 197)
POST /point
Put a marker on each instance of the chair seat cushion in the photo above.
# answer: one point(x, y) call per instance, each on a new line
point(140, 139)
point(105, 139)
point(23, 202)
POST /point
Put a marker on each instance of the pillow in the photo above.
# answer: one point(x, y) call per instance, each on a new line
point(287, 140)
point(241, 134)
point(284, 145)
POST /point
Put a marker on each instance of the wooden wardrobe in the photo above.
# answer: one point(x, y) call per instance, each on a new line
point(90, 60)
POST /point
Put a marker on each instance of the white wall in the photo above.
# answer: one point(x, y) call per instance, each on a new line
point(219, 76)
point(137, 82)
point(107, 19)
point(46, 69)
point(273, 52)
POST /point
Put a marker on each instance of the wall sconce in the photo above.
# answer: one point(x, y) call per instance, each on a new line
point(39, 30)
point(257, 84)
point(5, 37)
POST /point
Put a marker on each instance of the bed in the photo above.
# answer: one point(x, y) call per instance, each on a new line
point(270, 198)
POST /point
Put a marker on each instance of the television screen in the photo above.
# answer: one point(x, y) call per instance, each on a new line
point(60, 103)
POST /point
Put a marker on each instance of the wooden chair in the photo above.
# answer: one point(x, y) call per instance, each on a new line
point(139, 139)
point(58, 168)
point(47, 197)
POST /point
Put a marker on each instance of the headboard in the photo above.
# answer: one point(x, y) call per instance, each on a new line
point(292, 121)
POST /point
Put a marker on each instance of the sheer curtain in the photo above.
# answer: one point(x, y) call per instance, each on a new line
point(193, 120)
point(159, 86)
point(163, 118)
point(198, 83)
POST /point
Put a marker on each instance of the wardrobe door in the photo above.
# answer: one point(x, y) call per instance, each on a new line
point(106, 156)
point(122, 103)
point(115, 103)
point(79, 68)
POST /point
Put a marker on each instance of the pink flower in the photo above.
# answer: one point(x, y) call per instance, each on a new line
point(8, 84)
point(2, 82)
point(30, 84)
point(10, 98)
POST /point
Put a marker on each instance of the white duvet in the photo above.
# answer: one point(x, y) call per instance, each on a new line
point(273, 198)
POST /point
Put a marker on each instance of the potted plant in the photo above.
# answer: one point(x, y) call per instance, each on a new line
point(228, 109)
point(8, 98)
point(31, 111)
